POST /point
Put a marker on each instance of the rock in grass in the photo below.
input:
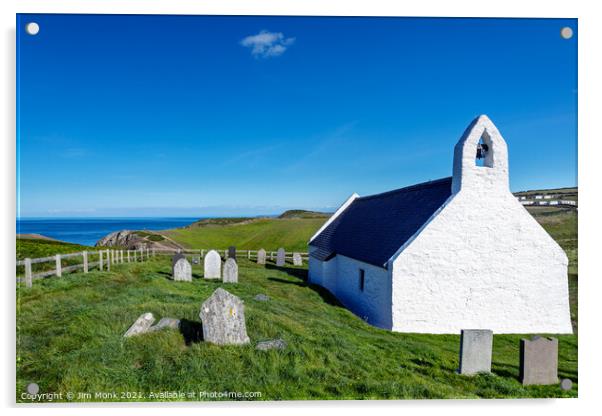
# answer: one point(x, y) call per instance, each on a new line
point(262, 298)
point(142, 325)
point(223, 317)
point(278, 344)
point(166, 323)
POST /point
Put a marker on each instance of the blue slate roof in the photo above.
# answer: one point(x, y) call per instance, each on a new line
point(374, 227)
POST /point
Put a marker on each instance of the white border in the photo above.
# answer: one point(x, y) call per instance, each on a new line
point(590, 68)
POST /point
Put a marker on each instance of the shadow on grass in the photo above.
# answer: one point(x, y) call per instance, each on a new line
point(170, 277)
point(192, 331)
point(291, 271)
point(324, 293)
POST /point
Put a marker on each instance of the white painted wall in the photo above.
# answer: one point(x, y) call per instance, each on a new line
point(482, 261)
point(340, 276)
point(373, 304)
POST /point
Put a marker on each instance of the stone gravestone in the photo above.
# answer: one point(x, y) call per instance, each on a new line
point(280, 257)
point(539, 361)
point(142, 324)
point(223, 317)
point(182, 271)
point(475, 351)
point(213, 265)
point(230, 271)
point(196, 259)
point(261, 256)
point(297, 260)
point(232, 252)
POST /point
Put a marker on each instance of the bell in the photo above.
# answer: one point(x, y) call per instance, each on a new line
point(482, 149)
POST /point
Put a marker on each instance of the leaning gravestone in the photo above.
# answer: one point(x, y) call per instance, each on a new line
point(261, 256)
point(223, 317)
point(213, 265)
point(230, 271)
point(165, 323)
point(475, 351)
point(182, 271)
point(232, 252)
point(142, 325)
point(539, 361)
point(297, 260)
point(280, 257)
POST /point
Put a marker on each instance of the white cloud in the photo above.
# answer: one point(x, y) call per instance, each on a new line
point(267, 44)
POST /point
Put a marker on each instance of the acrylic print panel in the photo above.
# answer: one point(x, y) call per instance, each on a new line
point(397, 197)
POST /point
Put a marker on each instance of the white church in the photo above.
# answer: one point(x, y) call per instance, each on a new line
point(450, 254)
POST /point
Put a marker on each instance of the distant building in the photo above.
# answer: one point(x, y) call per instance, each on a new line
point(538, 196)
point(446, 255)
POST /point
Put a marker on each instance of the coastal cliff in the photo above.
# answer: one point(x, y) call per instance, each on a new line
point(134, 240)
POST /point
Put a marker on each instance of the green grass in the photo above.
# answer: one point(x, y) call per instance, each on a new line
point(250, 234)
point(69, 338)
point(36, 248)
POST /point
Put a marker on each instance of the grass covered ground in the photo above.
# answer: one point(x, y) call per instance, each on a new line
point(69, 339)
point(249, 234)
point(36, 248)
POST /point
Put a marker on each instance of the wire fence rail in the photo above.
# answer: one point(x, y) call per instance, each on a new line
point(105, 258)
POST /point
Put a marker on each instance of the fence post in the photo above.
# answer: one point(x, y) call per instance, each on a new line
point(154, 252)
point(121, 255)
point(202, 253)
point(85, 255)
point(100, 260)
point(147, 253)
point(249, 254)
point(59, 270)
point(135, 259)
point(28, 274)
point(108, 260)
point(128, 254)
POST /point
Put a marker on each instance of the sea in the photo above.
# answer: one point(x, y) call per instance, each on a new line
point(87, 231)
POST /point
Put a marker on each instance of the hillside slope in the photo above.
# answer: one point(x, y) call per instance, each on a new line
point(70, 339)
point(249, 234)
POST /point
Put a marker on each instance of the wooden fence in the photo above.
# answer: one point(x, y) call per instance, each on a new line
point(111, 256)
point(249, 254)
point(105, 259)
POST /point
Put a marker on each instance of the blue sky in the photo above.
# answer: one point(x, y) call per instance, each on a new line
point(217, 115)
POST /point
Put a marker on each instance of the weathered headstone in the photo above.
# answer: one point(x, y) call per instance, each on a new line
point(232, 252)
point(261, 256)
point(230, 271)
point(261, 297)
point(223, 317)
point(182, 271)
point(142, 324)
point(539, 361)
point(213, 265)
point(297, 260)
point(475, 351)
point(280, 257)
point(165, 323)
point(278, 344)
